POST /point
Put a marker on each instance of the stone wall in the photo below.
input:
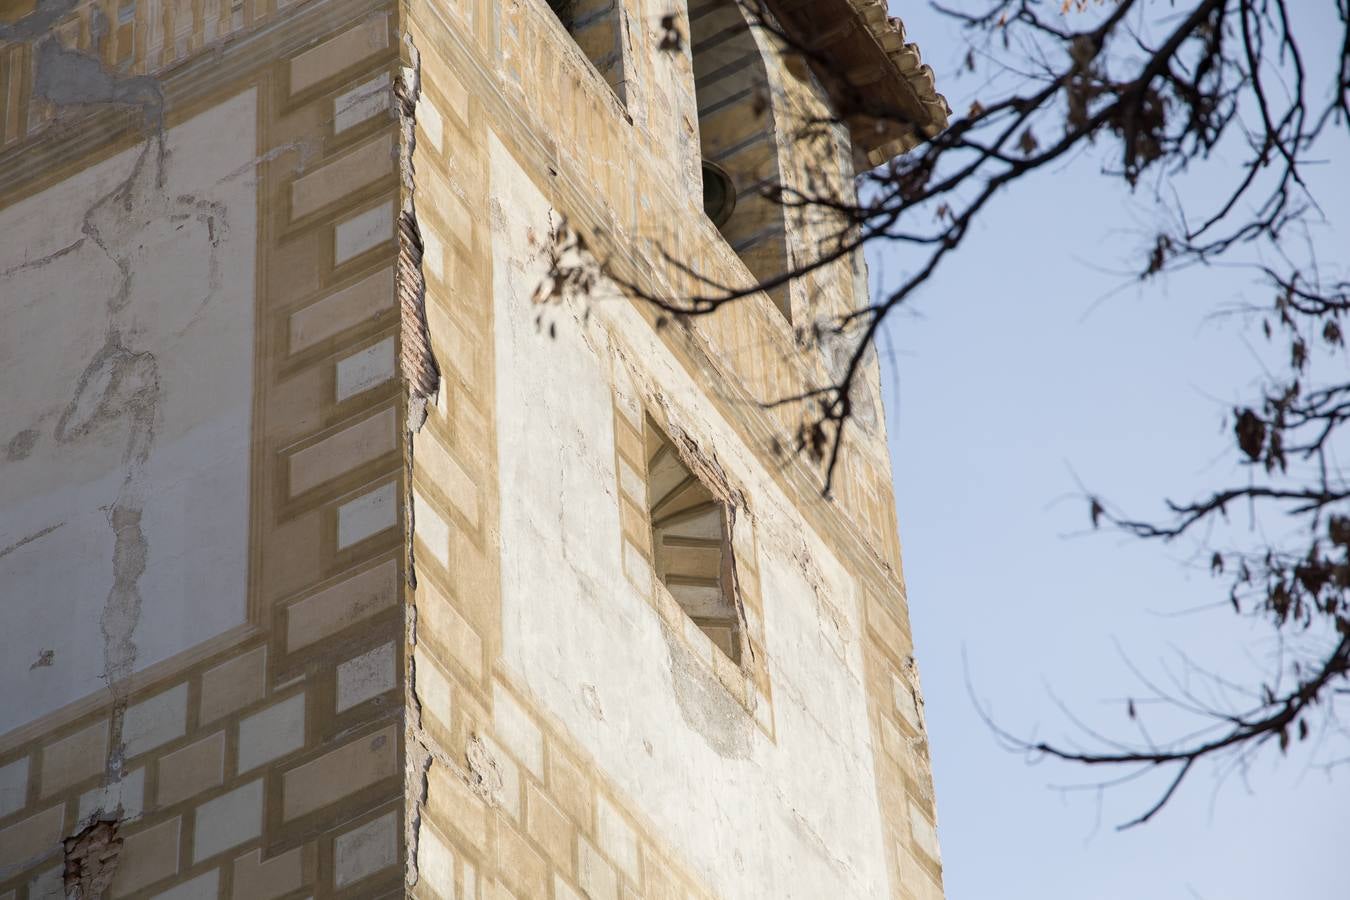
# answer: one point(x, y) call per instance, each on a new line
point(542, 644)
point(201, 288)
point(306, 637)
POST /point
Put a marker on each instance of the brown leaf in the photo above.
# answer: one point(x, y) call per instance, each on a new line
point(1027, 143)
point(1251, 433)
point(1338, 529)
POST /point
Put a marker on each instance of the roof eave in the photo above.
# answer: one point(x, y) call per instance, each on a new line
point(866, 52)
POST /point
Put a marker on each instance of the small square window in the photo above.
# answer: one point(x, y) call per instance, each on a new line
point(691, 543)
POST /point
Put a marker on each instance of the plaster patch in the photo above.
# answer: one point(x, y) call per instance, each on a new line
point(365, 676)
point(679, 747)
point(126, 486)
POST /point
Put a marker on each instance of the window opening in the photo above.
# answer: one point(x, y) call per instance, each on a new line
point(594, 26)
point(719, 194)
point(691, 544)
point(738, 140)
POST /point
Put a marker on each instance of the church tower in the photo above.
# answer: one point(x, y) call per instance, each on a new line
point(365, 528)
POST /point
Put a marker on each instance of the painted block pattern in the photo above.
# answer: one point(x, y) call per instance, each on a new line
point(287, 761)
point(268, 762)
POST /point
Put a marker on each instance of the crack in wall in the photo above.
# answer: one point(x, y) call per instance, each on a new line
point(419, 371)
point(418, 362)
point(120, 384)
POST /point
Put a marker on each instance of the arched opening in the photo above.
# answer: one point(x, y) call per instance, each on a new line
point(737, 137)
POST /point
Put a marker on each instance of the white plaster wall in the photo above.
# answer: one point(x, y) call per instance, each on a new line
point(793, 819)
point(126, 359)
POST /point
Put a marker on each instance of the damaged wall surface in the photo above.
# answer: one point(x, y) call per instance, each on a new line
point(328, 559)
point(572, 730)
point(128, 358)
point(200, 451)
point(584, 640)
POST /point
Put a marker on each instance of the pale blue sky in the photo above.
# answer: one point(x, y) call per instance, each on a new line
point(1013, 377)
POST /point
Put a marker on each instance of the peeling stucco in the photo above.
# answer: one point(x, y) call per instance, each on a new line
point(91, 860)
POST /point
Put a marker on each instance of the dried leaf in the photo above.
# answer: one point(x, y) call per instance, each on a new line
point(1338, 529)
point(1251, 433)
point(1027, 143)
